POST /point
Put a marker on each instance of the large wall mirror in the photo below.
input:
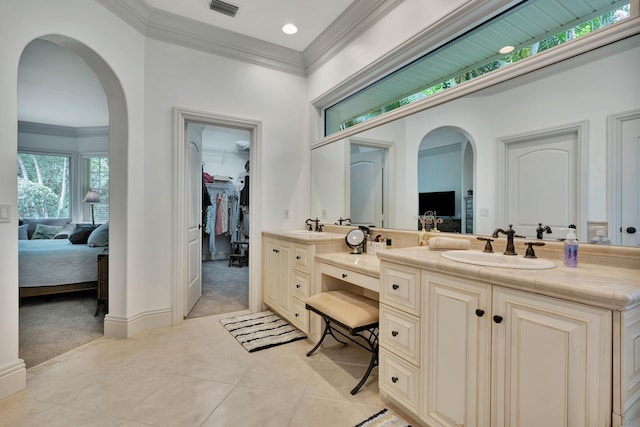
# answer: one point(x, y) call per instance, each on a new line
point(558, 146)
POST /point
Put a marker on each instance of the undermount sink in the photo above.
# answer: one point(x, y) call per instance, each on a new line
point(498, 260)
point(304, 232)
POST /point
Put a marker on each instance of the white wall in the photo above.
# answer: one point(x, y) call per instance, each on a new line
point(155, 78)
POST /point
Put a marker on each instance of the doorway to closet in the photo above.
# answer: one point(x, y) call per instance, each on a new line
point(224, 198)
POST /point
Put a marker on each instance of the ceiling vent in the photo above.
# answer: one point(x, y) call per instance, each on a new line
point(222, 7)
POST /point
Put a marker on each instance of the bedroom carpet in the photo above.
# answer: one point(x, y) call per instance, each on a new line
point(224, 289)
point(52, 325)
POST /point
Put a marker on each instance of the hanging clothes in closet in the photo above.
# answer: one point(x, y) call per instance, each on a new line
point(223, 214)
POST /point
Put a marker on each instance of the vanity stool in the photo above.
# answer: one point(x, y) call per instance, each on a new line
point(354, 313)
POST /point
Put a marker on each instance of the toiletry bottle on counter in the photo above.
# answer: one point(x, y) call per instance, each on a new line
point(600, 238)
point(571, 250)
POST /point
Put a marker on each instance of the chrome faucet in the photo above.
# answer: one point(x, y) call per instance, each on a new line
point(510, 233)
point(542, 229)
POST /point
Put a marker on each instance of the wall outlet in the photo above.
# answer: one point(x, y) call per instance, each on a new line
point(286, 213)
point(5, 212)
point(484, 212)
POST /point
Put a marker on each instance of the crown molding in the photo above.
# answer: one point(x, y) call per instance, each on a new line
point(352, 23)
point(178, 30)
point(64, 131)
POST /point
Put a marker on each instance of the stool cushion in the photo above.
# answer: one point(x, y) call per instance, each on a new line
point(346, 307)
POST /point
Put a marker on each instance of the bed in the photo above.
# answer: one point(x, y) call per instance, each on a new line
point(53, 266)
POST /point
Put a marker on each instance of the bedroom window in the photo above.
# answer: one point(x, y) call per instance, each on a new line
point(43, 185)
point(96, 177)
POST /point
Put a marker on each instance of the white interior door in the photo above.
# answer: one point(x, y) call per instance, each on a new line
point(542, 184)
point(630, 179)
point(194, 225)
point(366, 188)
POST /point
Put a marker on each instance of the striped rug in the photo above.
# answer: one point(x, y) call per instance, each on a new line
point(384, 418)
point(257, 331)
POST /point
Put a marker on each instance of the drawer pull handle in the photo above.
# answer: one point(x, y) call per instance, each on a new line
point(344, 276)
point(297, 314)
point(479, 313)
point(497, 319)
point(298, 257)
point(298, 285)
point(275, 250)
point(394, 333)
point(395, 287)
point(394, 379)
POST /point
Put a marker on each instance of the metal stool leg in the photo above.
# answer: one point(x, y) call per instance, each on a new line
point(327, 331)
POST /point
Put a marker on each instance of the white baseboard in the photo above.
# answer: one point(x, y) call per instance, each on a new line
point(13, 378)
point(125, 327)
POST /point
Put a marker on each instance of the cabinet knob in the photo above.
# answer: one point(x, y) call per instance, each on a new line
point(298, 257)
point(298, 285)
point(395, 287)
point(275, 250)
point(497, 319)
point(297, 314)
point(394, 333)
point(394, 379)
point(479, 313)
point(344, 275)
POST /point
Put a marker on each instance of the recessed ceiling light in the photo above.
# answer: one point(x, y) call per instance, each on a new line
point(506, 49)
point(289, 29)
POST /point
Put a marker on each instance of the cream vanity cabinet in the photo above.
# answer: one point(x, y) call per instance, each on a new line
point(494, 356)
point(287, 272)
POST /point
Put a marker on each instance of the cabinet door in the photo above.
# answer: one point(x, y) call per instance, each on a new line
point(456, 351)
point(285, 277)
point(551, 362)
point(271, 261)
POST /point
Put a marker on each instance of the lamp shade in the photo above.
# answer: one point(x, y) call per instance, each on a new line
point(92, 197)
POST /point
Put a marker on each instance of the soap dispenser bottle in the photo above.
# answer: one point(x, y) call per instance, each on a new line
point(571, 250)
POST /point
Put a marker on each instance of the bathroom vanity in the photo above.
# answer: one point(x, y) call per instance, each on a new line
point(288, 266)
point(471, 345)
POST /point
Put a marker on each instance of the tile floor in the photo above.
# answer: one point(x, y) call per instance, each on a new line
point(195, 374)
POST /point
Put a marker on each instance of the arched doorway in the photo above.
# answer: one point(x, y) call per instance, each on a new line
point(118, 148)
point(446, 177)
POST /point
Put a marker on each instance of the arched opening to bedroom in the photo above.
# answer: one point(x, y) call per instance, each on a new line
point(71, 133)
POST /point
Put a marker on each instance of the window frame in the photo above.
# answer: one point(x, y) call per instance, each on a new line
point(72, 171)
point(83, 183)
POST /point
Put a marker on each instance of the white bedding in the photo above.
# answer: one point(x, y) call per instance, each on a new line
point(56, 262)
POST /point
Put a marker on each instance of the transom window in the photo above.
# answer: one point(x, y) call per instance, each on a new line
point(524, 30)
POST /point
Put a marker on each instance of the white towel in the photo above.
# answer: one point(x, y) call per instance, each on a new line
point(448, 243)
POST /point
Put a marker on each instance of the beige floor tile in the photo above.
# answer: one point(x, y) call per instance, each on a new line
point(185, 401)
point(251, 407)
point(191, 375)
point(314, 412)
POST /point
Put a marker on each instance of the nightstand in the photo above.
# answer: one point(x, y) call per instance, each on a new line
point(103, 280)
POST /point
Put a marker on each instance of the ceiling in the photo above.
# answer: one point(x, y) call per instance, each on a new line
point(263, 19)
point(56, 87)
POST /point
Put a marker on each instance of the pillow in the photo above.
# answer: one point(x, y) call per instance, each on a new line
point(45, 231)
point(22, 232)
point(81, 236)
point(66, 231)
point(99, 236)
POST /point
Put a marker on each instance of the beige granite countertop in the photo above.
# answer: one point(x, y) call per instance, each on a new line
point(608, 287)
point(361, 263)
point(304, 236)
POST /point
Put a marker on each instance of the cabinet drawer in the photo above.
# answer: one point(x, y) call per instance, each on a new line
point(399, 379)
point(300, 316)
point(302, 258)
point(357, 279)
point(401, 288)
point(300, 285)
point(400, 333)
